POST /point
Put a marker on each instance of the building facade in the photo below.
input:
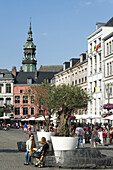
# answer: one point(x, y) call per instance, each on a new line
point(74, 73)
point(6, 89)
point(96, 69)
point(108, 66)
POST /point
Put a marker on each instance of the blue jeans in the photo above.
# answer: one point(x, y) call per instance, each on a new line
point(80, 140)
point(27, 157)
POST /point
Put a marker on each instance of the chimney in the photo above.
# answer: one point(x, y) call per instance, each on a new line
point(35, 73)
point(21, 69)
point(14, 71)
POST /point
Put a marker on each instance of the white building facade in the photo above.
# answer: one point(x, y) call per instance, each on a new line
point(108, 72)
point(96, 68)
point(6, 88)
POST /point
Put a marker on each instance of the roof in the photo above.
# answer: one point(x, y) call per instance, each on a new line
point(5, 74)
point(4, 70)
point(110, 22)
point(51, 68)
point(22, 77)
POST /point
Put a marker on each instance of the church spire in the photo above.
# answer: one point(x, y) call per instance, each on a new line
point(29, 38)
point(29, 61)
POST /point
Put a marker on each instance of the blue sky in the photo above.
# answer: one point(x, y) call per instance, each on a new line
point(60, 28)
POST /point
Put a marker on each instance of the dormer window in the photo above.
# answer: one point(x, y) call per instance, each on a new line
point(29, 81)
point(1, 75)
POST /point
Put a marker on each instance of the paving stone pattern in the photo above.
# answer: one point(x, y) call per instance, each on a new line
point(12, 159)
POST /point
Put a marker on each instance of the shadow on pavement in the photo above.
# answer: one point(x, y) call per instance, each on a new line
point(8, 151)
point(105, 148)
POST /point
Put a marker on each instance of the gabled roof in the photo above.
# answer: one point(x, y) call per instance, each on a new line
point(4, 70)
point(22, 77)
point(51, 68)
point(5, 74)
point(110, 22)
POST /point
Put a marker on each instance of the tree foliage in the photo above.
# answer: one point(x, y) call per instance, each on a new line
point(66, 100)
point(63, 100)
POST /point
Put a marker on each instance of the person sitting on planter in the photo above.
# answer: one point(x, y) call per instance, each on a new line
point(41, 153)
point(30, 144)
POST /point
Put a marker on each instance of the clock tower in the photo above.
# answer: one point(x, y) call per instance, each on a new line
point(29, 60)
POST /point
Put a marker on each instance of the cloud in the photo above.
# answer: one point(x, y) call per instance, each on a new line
point(44, 34)
point(88, 3)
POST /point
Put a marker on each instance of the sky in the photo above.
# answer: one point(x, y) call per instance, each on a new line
point(60, 28)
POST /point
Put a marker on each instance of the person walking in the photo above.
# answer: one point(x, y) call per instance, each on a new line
point(80, 134)
point(25, 127)
point(30, 144)
point(95, 137)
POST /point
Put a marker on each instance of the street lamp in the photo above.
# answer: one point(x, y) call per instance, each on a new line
point(108, 89)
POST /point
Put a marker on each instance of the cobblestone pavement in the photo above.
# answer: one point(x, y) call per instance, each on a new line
point(12, 159)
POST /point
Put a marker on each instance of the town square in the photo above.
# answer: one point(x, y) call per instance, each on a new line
point(56, 84)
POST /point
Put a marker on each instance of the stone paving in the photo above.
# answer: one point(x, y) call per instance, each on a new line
point(12, 159)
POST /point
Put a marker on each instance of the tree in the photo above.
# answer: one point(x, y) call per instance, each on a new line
point(42, 99)
point(65, 101)
point(1, 112)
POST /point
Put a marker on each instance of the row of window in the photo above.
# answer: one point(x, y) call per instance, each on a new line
point(25, 111)
point(82, 78)
point(8, 101)
point(96, 87)
point(109, 47)
point(109, 68)
point(8, 88)
point(24, 99)
point(94, 44)
point(95, 63)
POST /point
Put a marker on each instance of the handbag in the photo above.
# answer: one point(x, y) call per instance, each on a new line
point(36, 154)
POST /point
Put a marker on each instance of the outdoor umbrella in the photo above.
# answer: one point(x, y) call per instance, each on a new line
point(53, 118)
point(32, 118)
point(5, 117)
point(108, 117)
point(40, 118)
point(84, 116)
point(94, 117)
point(78, 117)
point(25, 120)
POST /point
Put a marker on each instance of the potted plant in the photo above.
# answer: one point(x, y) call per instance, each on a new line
point(66, 100)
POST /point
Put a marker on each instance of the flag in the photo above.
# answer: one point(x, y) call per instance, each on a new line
point(96, 48)
point(95, 89)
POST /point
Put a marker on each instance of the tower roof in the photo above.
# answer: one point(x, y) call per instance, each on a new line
point(30, 32)
point(29, 38)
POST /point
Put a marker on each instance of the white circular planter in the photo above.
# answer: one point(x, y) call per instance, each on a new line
point(47, 135)
point(64, 147)
point(64, 143)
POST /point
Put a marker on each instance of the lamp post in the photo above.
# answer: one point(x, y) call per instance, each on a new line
point(108, 87)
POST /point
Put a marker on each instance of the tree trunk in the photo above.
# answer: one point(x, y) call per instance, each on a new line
point(63, 128)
